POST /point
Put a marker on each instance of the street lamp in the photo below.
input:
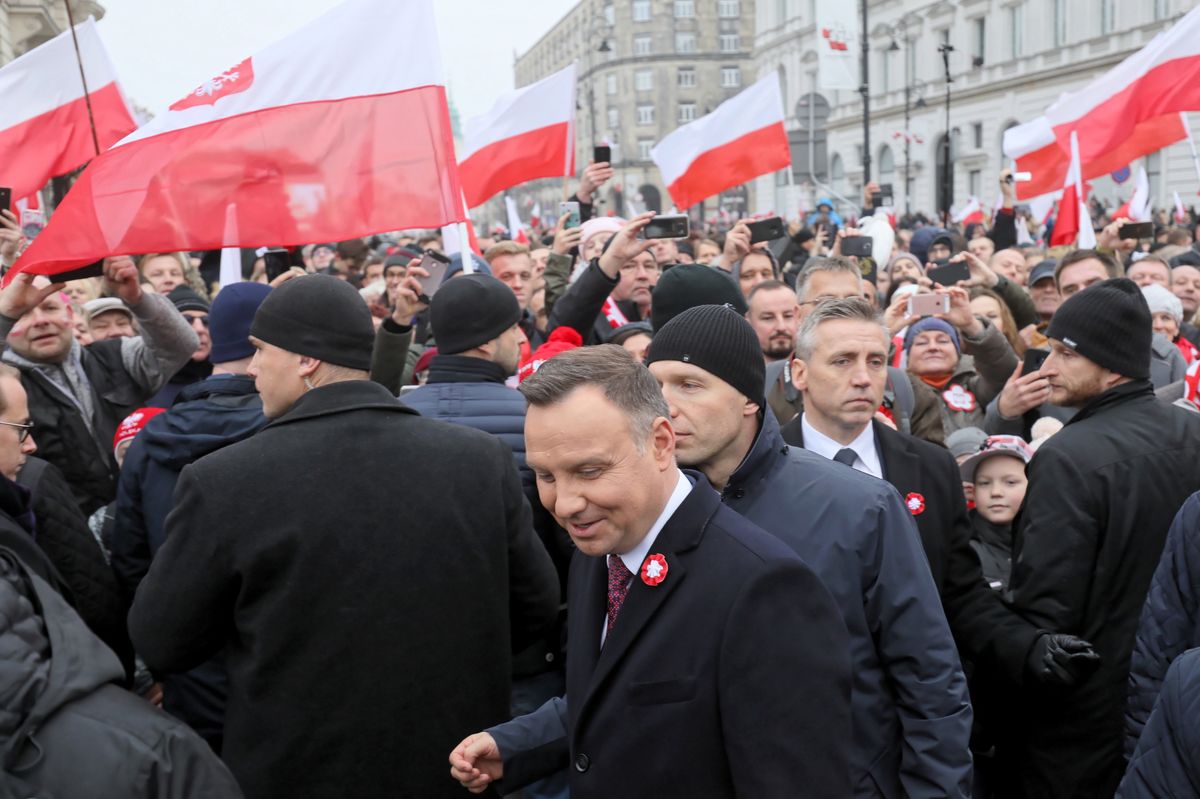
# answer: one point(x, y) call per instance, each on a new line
point(913, 87)
point(945, 48)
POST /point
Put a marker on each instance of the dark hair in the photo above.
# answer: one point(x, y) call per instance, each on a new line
point(625, 383)
point(1075, 256)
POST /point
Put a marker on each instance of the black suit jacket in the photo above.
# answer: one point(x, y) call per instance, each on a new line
point(974, 610)
point(729, 678)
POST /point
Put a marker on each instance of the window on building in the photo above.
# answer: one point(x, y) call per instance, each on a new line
point(729, 9)
point(837, 171)
point(642, 45)
point(977, 135)
point(645, 115)
point(1059, 20)
point(1016, 31)
point(610, 14)
point(1160, 9)
point(644, 147)
point(643, 80)
point(614, 118)
point(858, 154)
point(685, 42)
point(887, 165)
point(685, 9)
point(615, 152)
point(641, 10)
point(979, 39)
point(687, 112)
point(687, 77)
point(1108, 12)
point(610, 83)
point(910, 55)
point(731, 77)
point(974, 182)
point(728, 42)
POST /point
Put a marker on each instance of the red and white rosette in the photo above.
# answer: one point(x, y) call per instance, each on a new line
point(915, 503)
point(959, 399)
point(654, 570)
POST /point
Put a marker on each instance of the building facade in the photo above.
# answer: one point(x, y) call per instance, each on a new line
point(1011, 59)
point(26, 24)
point(645, 67)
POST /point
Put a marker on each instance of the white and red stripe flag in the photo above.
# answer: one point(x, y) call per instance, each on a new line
point(528, 133)
point(971, 213)
point(44, 130)
point(742, 139)
point(308, 142)
point(1074, 223)
point(1131, 110)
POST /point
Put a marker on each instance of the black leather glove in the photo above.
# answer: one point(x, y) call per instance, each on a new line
point(1058, 659)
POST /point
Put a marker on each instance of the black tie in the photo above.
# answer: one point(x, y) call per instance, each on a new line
point(846, 456)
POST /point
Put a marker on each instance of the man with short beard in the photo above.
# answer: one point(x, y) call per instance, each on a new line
point(774, 315)
point(78, 395)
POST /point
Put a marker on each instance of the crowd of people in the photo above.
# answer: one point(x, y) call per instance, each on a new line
point(604, 515)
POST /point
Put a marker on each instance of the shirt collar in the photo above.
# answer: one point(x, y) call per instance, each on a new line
point(634, 557)
point(826, 447)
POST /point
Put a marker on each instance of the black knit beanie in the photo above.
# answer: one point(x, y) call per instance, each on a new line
point(689, 285)
point(318, 316)
point(471, 310)
point(720, 341)
point(1109, 324)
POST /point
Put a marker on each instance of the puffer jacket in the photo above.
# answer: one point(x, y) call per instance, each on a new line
point(986, 363)
point(1170, 620)
point(1166, 763)
point(65, 730)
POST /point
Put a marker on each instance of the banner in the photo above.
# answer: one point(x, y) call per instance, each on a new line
point(838, 46)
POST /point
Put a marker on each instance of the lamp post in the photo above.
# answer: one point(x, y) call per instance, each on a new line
point(864, 90)
point(912, 88)
point(945, 48)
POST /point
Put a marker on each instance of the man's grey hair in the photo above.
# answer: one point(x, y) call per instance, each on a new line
point(833, 264)
point(625, 383)
point(854, 309)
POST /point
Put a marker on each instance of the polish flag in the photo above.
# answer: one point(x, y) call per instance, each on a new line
point(308, 142)
point(516, 231)
point(1138, 206)
point(1180, 214)
point(528, 133)
point(970, 213)
point(742, 139)
point(44, 129)
point(1131, 110)
point(1074, 224)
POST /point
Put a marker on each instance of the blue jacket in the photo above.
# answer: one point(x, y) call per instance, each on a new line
point(1166, 763)
point(1170, 621)
point(910, 711)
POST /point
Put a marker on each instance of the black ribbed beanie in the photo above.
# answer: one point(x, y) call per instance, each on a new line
point(1109, 324)
point(689, 285)
point(318, 316)
point(720, 341)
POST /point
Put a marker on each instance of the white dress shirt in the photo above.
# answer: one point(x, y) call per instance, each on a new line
point(863, 446)
point(634, 557)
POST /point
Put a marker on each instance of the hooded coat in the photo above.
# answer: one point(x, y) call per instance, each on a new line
point(1167, 759)
point(65, 730)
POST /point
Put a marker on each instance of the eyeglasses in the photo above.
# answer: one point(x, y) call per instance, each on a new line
point(26, 429)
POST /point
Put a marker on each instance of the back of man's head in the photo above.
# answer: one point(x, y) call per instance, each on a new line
point(230, 319)
point(690, 285)
point(470, 311)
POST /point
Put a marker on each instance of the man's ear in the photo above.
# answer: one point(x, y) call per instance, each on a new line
point(308, 366)
point(662, 440)
point(799, 374)
point(751, 408)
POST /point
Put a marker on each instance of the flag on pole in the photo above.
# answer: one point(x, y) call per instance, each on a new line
point(837, 47)
point(1074, 223)
point(309, 142)
point(1180, 214)
point(528, 133)
point(44, 128)
point(742, 139)
point(516, 231)
point(1137, 207)
point(971, 213)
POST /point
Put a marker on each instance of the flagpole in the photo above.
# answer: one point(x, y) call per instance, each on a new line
point(1191, 142)
point(87, 96)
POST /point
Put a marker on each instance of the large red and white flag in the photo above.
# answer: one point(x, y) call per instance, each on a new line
point(306, 141)
point(970, 214)
point(44, 129)
point(528, 133)
point(1131, 110)
point(742, 139)
point(1074, 223)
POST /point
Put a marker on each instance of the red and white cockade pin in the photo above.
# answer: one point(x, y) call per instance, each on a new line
point(654, 570)
point(915, 503)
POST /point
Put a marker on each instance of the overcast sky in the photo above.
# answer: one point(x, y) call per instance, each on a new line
point(165, 48)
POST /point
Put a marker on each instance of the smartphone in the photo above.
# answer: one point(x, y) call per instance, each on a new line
point(1034, 360)
point(571, 212)
point(1136, 230)
point(1019, 177)
point(950, 274)
point(32, 222)
point(278, 261)
point(766, 230)
point(5, 198)
point(857, 245)
point(884, 198)
point(671, 226)
point(928, 304)
point(602, 154)
point(436, 265)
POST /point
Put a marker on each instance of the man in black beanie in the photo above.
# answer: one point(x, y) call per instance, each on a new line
point(851, 528)
point(319, 597)
point(1102, 494)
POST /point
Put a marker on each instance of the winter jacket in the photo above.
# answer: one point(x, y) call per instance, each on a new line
point(580, 307)
point(993, 544)
point(367, 573)
point(983, 368)
point(65, 730)
point(64, 535)
point(122, 374)
point(1170, 621)
point(1167, 363)
point(1102, 493)
point(1166, 763)
point(208, 415)
point(911, 717)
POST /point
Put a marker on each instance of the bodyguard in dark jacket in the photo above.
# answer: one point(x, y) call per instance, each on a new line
point(1170, 622)
point(1166, 763)
point(1102, 494)
point(65, 729)
point(362, 633)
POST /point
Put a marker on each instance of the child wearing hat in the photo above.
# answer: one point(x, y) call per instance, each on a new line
point(997, 472)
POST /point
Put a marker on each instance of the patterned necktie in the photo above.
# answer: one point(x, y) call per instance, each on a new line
point(619, 579)
point(846, 456)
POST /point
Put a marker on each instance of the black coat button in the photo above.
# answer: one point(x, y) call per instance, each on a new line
point(582, 763)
